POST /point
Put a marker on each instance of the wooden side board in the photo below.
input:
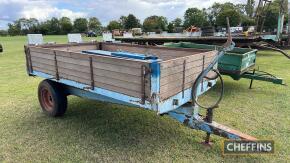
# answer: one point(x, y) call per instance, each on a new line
point(161, 52)
point(180, 73)
point(115, 74)
point(179, 67)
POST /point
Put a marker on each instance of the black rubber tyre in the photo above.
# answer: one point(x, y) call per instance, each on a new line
point(52, 98)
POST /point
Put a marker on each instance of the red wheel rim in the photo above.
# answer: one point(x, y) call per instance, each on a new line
point(46, 99)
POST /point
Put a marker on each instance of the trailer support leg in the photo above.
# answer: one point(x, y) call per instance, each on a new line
point(208, 119)
point(252, 80)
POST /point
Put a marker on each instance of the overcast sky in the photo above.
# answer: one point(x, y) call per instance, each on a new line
point(105, 10)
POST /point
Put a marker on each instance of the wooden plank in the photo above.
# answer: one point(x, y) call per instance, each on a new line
point(42, 55)
point(116, 68)
point(178, 83)
point(119, 83)
point(65, 45)
point(41, 50)
point(76, 48)
point(107, 80)
point(73, 61)
point(43, 70)
point(74, 78)
point(179, 76)
point(160, 53)
point(179, 60)
point(74, 67)
point(118, 90)
point(42, 60)
point(173, 91)
point(179, 69)
point(100, 72)
point(119, 76)
point(44, 66)
point(73, 55)
point(117, 61)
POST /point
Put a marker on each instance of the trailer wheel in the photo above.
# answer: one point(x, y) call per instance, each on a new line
point(52, 99)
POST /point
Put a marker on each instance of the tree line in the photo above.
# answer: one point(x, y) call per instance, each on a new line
point(239, 14)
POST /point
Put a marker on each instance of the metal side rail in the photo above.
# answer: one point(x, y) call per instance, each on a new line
point(262, 76)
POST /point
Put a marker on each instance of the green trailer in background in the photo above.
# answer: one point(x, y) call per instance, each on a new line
point(238, 63)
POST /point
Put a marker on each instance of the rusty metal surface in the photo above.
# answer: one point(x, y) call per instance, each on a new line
point(92, 74)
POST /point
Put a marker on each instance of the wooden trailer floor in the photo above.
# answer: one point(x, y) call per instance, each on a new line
point(101, 132)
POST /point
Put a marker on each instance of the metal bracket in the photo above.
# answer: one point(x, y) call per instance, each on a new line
point(55, 65)
point(92, 74)
point(28, 60)
point(144, 72)
point(183, 78)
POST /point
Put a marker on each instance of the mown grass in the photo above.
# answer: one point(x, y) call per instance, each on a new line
point(101, 132)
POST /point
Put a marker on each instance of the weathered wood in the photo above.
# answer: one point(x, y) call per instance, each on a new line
point(42, 55)
point(118, 89)
point(41, 50)
point(178, 83)
point(44, 70)
point(42, 60)
point(179, 69)
point(42, 65)
point(161, 52)
point(76, 48)
point(119, 69)
point(51, 46)
point(74, 78)
point(173, 77)
point(179, 60)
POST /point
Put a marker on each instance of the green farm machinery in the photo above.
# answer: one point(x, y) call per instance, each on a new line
point(238, 63)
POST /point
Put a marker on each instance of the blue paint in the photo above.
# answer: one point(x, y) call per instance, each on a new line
point(97, 52)
point(134, 55)
point(121, 54)
point(167, 105)
point(155, 83)
point(112, 96)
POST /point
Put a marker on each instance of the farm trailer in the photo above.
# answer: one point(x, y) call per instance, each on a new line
point(238, 63)
point(165, 80)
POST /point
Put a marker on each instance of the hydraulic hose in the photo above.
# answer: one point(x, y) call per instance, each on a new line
point(228, 46)
point(195, 87)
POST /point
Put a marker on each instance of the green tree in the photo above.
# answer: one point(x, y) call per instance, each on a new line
point(194, 16)
point(177, 22)
point(131, 22)
point(170, 27)
point(234, 16)
point(114, 25)
point(80, 25)
point(94, 24)
point(122, 21)
point(250, 8)
point(217, 8)
point(155, 24)
point(65, 25)
point(14, 28)
point(272, 14)
point(54, 27)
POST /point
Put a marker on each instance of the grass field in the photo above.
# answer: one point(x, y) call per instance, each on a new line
point(100, 132)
